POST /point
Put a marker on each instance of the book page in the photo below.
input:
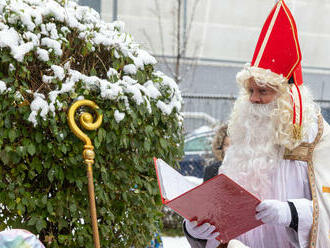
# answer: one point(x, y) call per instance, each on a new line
point(172, 183)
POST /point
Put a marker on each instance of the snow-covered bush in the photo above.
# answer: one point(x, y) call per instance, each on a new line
point(53, 52)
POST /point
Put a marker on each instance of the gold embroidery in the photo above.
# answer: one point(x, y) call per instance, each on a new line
point(296, 42)
point(314, 230)
point(297, 131)
point(304, 152)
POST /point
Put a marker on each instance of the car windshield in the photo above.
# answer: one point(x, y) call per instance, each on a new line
point(202, 143)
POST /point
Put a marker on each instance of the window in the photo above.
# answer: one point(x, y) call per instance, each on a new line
point(95, 4)
point(198, 144)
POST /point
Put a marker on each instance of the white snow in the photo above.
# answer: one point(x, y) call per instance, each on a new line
point(129, 80)
point(47, 38)
point(42, 54)
point(51, 28)
point(150, 90)
point(10, 38)
point(11, 67)
point(54, 44)
point(47, 79)
point(58, 71)
point(119, 116)
point(112, 72)
point(130, 69)
point(38, 104)
point(144, 58)
point(110, 91)
point(3, 87)
point(32, 37)
point(137, 96)
point(19, 52)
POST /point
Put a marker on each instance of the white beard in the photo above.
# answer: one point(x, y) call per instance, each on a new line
point(253, 154)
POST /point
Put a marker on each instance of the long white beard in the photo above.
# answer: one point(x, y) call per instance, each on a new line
point(253, 154)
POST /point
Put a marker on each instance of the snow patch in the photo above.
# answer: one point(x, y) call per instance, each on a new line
point(130, 69)
point(3, 87)
point(119, 116)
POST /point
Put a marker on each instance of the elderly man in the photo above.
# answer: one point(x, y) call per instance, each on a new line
point(280, 147)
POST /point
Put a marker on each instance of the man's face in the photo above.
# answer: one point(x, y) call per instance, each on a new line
point(260, 94)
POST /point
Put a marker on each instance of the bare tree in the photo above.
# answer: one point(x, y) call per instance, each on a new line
point(182, 26)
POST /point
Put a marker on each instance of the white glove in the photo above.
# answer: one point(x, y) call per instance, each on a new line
point(205, 231)
point(234, 243)
point(212, 243)
point(274, 212)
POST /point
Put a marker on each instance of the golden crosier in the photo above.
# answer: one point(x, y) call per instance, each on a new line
point(86, 120)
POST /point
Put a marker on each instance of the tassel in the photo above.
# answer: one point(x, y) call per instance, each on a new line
point(297, 128)
point(297, 132)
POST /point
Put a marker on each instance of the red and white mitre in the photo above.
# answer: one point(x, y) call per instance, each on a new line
point(277, 57)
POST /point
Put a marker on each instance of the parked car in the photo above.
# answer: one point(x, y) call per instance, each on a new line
point(198, 151)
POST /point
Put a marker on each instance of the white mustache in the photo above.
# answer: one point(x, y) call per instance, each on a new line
point(262, 110)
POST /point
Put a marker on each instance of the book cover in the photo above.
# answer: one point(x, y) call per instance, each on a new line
point(219, 201)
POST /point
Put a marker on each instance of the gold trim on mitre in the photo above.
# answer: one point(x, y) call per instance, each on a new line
point(295, 41)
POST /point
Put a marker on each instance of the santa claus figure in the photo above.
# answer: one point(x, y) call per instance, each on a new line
point(280, 147)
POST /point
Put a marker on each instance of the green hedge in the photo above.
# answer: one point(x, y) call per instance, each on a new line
point(43, 184)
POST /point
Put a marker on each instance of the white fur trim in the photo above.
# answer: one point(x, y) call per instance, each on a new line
point(260, 75)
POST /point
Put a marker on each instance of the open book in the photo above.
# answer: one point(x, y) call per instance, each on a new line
point(219, 201)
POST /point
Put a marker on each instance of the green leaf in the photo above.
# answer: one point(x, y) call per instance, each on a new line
point(44, 199)
point(32, 221)
point(101, 134)
point(163, 143)
point(38, 137)
point(79, 184)
point(12, 135)
point(40, 224)
point(50, 208)
point(31, 149)
point(63, 148)
point(50, 175)
point(73, 208)
point(147, 145)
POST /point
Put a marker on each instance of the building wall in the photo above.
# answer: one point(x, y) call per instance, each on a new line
point(226, 29)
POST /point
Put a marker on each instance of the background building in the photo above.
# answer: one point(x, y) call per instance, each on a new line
point(222, 35)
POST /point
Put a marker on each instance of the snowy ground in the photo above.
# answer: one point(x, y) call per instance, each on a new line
point(175, 242)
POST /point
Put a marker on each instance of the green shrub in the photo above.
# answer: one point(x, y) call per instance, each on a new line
point(52, 54)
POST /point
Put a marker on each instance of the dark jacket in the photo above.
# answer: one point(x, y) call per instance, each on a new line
point(211, 170)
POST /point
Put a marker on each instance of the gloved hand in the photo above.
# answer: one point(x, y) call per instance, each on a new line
point(274, 212)
point(234, 243)
point(205, 231)
point(212, 243)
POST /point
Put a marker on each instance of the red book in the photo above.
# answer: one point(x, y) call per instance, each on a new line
point(219, 201)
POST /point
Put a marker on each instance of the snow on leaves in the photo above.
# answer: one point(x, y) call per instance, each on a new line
point(45, 30)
